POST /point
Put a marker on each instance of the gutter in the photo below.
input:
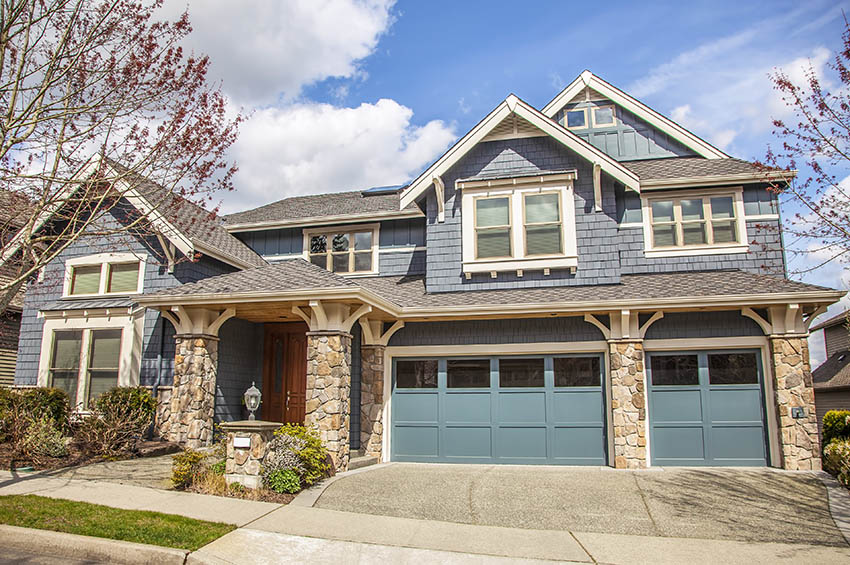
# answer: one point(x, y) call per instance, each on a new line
point(319, 220)
point(715, 180)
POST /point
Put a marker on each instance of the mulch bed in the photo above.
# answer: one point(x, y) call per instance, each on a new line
point(262, 495)
point(77, 458)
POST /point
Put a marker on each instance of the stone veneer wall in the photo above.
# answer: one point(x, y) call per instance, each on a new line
point(792, 376)
point(163, 410)
point(628, 404)
point(190, 421)
point(328, 406)
point(372, 399)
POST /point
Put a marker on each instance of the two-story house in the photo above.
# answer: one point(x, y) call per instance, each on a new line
point(832, 377)
point(586, 284)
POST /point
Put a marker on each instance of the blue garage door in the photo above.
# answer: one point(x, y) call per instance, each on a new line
point(707, 408)
point(524, 410)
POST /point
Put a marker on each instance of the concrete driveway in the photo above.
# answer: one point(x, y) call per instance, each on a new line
point(747, 505)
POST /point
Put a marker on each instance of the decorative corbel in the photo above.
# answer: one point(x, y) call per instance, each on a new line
point(654, 318)
point(320, 315)
point(597, 187)
point(373, 334)
point(359, 313)
point(218, 322)
point(765, 326)
point(811, 317)
point(440, 188)
point(591, 319)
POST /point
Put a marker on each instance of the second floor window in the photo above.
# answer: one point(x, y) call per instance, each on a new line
point(543, 224)
point(689, 222)
point(493, 227)
point(98, 275)
point(343, 252)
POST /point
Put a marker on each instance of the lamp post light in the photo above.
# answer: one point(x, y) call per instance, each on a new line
point(252, 400)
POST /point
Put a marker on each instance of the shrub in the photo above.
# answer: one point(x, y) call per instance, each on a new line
point(284, 480)
point(50, 401)
point(120, 418)
point(219, 467)
point(836, 460)
point(43, 438)
point(18, 408)
point(310, 451)
point(185, 467)
point(836, 425)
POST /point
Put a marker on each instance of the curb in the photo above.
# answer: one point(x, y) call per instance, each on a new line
point(839, 503)
point(308, 498)
point(87, 548)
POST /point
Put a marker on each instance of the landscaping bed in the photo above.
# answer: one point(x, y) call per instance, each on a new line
point(82, 518)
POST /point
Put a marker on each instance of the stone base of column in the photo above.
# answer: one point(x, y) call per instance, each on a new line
point(190, 422)
point(328, 406)
point(246, 450)
point(628, 404)
point(372, 399)
point(798, 437)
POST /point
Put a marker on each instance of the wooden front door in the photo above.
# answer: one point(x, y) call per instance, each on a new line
point(285, 373)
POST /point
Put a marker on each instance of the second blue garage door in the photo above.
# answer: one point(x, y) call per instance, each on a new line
point(546, 409)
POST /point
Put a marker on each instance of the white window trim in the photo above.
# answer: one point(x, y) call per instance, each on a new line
point(575, 128)
point(129, 363)
point(104, 260)
point(349, 228)
point(737, 194)
point(567, 259)
point(613, 112)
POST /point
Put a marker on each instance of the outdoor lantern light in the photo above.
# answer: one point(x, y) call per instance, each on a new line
point(252, 400)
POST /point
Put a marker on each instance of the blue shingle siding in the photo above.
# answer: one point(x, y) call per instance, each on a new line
point(240, 362)
point(596, 232)
point(402, 263)
point(471, 332)
point(405, 232)
point(287, 241)
point(631, 138)
point(703, 325)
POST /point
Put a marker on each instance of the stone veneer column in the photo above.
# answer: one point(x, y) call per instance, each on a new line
point(372, 399)
point(792, 385)
point(328, 405)
point(627, 403)
point(190, 421)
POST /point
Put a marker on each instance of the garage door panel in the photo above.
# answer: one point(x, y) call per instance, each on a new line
point(417, 441)
point(522, 407)
point(416, 407)
point(468, 408)
point(678, 443)
point(735, 405)
point(576, 406)
point(738, 444)
point(678, 406)
point(468, 442)
point(580, 445)
point(521, 443)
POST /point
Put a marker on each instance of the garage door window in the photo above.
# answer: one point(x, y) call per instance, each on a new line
point(468, 373)
point(416, 374)
point(521, 372)
point(733, 369)
point(675, 370)
point(577, 371)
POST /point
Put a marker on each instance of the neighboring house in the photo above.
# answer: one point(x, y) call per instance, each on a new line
point(832, 377)
point(585, 284)
point(12, 208)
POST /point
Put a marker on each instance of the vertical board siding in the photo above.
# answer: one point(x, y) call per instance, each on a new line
point(837, 339)
point(826, 400)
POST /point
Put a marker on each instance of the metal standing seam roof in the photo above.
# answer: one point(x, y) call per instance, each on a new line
point(89, 304)
point(409, 292)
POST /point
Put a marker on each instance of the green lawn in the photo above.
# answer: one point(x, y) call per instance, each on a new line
point(86, 519)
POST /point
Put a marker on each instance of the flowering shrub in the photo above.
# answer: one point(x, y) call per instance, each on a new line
point(297, 449)
point(836, 460)
point(836, 425)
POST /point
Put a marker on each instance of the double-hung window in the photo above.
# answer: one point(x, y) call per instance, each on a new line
point(493, 227)
point(543, 224)
point(85, 363)
point(711, 223)
point(343, 250)
point(108, 273)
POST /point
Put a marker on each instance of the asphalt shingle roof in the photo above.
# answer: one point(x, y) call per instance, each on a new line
point(834, 372)
point(687, 167)
point(833, 321)
point(317, 206)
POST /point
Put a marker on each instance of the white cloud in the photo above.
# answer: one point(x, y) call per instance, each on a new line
point(309, 148)
point(266, 49)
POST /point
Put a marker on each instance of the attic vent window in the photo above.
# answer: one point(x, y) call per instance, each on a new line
point(576, 119)
point(343, 250)
point(603, 116)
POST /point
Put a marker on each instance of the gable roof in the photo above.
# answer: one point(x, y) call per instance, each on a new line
point(188, 226)
point(514, 105)
point(337, 207)
point(834, 372)
point(588, 80)
point(833, 321)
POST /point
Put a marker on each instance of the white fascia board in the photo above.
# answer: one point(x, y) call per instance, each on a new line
point(717, 180)
point(512, 104)
point(323, 220)
point(671, 128)
point(15, 243)
point(166, 228)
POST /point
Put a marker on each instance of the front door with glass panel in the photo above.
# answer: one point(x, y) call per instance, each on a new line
point(546, 409)
point(285, 373)
point(707, 408)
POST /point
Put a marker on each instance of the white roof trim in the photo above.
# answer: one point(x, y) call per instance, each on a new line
point(671, 128)
point(512, 104)
point(322, 220)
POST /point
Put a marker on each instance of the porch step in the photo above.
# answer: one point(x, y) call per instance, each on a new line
point(359, 460)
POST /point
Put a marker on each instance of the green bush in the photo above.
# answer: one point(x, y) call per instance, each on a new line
point(43, 438)
point(836, 425)
point(313, 455)
point(219, 467)
point(127, 402)
point(118, 421)
point(20, 407)
point(185, 467)
point(284, 480)
point(50, 401)
point(836, 460)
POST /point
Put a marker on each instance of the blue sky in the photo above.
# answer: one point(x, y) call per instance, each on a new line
point(347, 94)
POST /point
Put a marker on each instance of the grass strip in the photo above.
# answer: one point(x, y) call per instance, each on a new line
point(82, 518)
